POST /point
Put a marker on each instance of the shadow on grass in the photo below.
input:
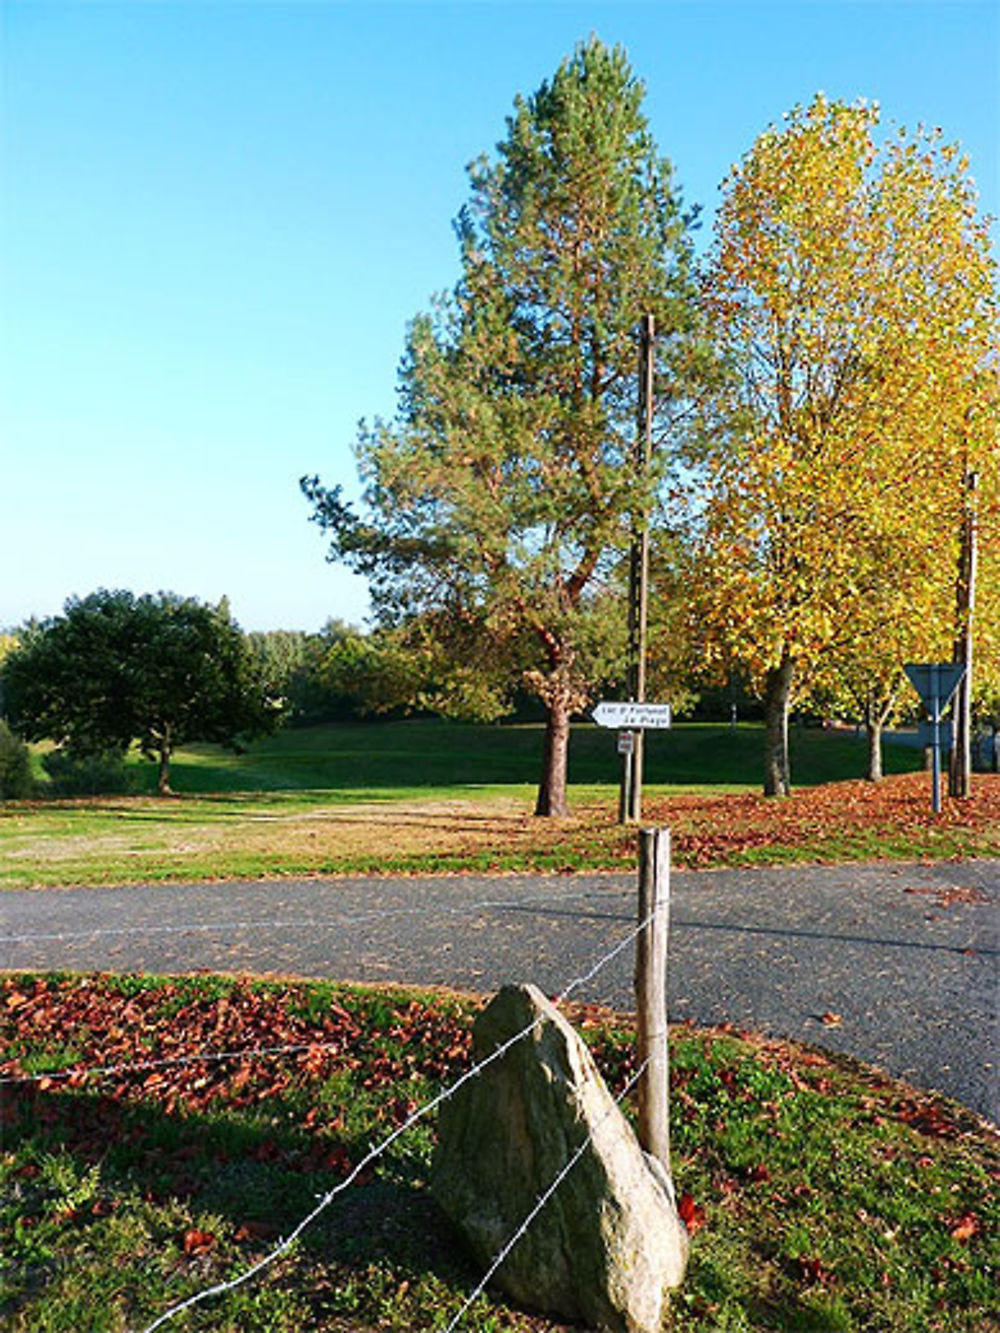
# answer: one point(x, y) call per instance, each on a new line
point(170, 1171)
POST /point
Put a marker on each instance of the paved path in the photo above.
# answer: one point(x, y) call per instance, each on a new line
point(907, 955)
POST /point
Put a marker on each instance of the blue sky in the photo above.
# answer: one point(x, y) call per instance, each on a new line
point(217, 218)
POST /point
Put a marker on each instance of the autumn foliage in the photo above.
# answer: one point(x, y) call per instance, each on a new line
point(851, 296)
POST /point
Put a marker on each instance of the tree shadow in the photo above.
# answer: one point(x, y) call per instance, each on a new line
point(260, 1181)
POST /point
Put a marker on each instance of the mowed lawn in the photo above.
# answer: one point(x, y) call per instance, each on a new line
point(424, 795)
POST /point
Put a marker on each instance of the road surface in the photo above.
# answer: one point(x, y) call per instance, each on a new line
point(905, 955)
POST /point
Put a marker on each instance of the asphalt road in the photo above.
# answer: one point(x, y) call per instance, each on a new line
point(906, 955)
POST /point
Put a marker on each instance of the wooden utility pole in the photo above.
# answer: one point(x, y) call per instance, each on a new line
point(960, 769)
point(653, 1087)
point(630, 796)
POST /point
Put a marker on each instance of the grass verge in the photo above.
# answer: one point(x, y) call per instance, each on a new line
point(820, 1195)
point(118, 840)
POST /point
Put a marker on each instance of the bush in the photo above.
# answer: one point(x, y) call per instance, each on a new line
point(15, 766)
point(88, 775)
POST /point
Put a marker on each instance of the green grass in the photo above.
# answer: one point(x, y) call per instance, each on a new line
point(830, 1198)
point(429, 755)
point(426, 796)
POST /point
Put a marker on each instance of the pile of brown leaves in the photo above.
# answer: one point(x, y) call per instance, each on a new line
point(184, 1047)
point(709, 828)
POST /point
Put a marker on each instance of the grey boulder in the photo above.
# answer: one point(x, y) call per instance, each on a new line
point(608, 1246)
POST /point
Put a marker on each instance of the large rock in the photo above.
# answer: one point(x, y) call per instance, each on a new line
point(608, 1246)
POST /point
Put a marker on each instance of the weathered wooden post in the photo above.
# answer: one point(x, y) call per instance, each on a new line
point(653, 1088)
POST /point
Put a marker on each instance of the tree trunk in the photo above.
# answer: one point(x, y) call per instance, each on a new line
point(876, 712)
point(552, 788)
point(777, 693)
point(873, 730)
point(163, 784)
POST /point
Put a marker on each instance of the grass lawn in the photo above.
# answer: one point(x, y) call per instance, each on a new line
point(820, 1195)
point(431, 756)
point(428, 796)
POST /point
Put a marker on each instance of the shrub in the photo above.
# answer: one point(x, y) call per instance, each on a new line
point(87, 775)
point(15, 766)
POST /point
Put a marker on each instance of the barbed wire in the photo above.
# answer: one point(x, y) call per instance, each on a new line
point(221, 1288)
point(206, 1057)
point(105, 1071)
point(352, 918)
point(541, 1201)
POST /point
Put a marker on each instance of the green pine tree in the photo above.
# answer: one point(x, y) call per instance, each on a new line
point(500, 500)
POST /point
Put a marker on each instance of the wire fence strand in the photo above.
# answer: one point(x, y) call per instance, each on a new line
point(540, 1203)
point(282, 923)
point(205, 1057)
point(221, 1288)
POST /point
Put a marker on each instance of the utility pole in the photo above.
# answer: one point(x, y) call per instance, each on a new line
point(960, 769)
point(630, 795)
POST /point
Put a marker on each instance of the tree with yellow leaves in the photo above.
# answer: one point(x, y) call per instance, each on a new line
point(850, 293)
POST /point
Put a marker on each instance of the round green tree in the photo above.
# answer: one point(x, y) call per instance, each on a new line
point(115, 669)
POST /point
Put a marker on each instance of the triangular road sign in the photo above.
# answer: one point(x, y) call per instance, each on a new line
point(935, 682)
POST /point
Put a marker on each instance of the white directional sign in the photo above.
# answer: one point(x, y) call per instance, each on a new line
point(935, 682)
point(631, 716)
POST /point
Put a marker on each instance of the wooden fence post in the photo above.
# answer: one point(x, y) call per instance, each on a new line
point(653, 1088)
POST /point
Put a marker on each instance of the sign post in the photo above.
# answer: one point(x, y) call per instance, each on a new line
point(630, 719)
point(936, 683)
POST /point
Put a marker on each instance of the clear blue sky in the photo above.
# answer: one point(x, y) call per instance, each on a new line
point(217, 219)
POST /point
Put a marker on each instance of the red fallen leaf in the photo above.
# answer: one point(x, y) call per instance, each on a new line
point(815, 1270)
point(691, 1213)
point(814, 1059)
point(16, 999)
point(965, 1227)
point(266, 1151)
point(760, 1173)
point(256, 1231)
point(830, 1019)
point(197, 1242)
point(928, 1119)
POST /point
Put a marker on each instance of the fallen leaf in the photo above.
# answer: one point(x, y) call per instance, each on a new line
point(197, 1242)
point(815, 1270)
point(965, 1227)
point(691, 1214)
